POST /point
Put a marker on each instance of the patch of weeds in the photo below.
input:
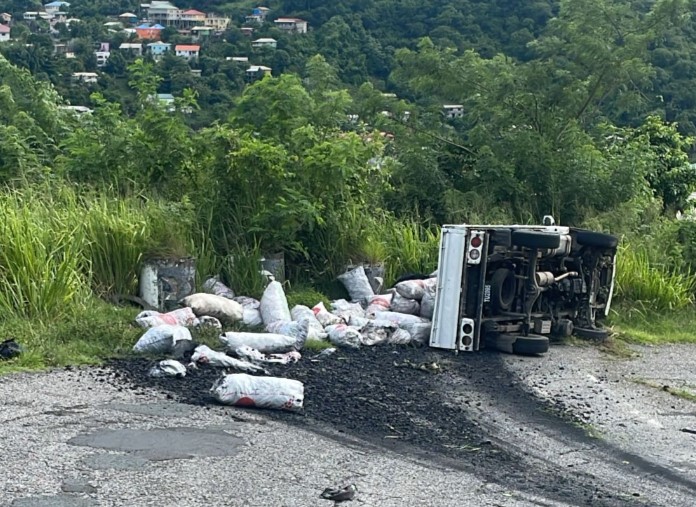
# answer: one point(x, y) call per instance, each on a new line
point(306, 296)
point(648, 328)
point(316, 345)
point(678, 392)
point(617, 348)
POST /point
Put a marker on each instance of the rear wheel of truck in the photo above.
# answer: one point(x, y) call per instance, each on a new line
point(520, 344)
point(589, 333)
point(533, 239)
point(596, 239)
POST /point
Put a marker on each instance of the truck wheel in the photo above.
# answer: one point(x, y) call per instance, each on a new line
point(519, 344)
point(533, 239)
point(503, 289)
point(596, 239)
point(589, 333)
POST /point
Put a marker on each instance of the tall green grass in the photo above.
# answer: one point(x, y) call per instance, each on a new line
point(650, 286)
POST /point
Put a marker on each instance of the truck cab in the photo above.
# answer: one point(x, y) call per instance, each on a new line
point(512, 287)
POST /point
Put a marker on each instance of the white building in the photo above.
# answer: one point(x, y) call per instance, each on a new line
point(453, 110)
point(85, 77)
point(4, 33)
point(292, 24)
point(264, 43)
point(56, 6)
point(188, 51)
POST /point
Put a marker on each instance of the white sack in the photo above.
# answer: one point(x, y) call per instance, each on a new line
point(168, 368)
point(274, 304)
point(205, 355)
point(297, 330)
point(215, 286)
point(427, 307)
point(263, 392)
point(400, 337)
point(343, 335)
point(248, 302)
point(161, 339)
point(379, 303)
point(263, 342)
point(357, 285)
point(252, 355)
point(419, 331)
point(251, 317)
point(401, 319)
point(411, 289)
point(324, 317)
point(401, 304)
point(221, 308)
point(315, 331)
point(207, 321)
point(178, 317)
point(345, 310)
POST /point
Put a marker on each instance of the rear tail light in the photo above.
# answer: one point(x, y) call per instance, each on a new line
point(475, 247)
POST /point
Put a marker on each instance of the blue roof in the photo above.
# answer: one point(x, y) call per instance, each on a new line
point(158, 27)
point(57, 4)
point(144, 25)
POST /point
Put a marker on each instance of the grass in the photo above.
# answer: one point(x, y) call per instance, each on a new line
point(677, 392)
point(636, 325)
point(100, 331)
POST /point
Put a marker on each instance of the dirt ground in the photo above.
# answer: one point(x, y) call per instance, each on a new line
point(408, 426)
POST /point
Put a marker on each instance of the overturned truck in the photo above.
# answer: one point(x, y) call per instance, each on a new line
point(513, 287)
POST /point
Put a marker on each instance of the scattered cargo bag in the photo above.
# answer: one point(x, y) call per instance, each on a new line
point(243, 390)
point(401, 319)
point(252, 317)
point(411, 289)
point(379, 303)
point(427, 307)
point(324, 317)
point(161, 339)
point(345, 310)
point(274, 304)
point(297, 330)
point(208, 321)
point(357, 285)
point(205, 355)
point(253, 355)
point(263, 342)
point(419, 331)
point(168, 368)
point(401, 304)
point(343, 335)
point(215, 286)
point(178, 317)
point(248, 302)
point(223, 309)
point(399, 337)
point(315, 331)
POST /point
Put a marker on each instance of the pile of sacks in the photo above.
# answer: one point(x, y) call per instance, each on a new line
point(401, 316)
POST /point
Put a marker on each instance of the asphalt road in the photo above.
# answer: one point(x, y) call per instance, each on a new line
point(576, 427)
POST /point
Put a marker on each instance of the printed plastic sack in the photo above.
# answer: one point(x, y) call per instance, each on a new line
point(253, 355)
point(223, 309)
point(315, 331)
point(248, 302)
point(324, 317)
point(161, 339)
point(215, 286)
point(357, 285)
point(379, 303)
point(419, 331)
point(376, 332)
point(344, 309)
point(297, 330)
point(263, 342)
point(168, 368)
point(274, 304)
point(263, 392)
point(411, 289)
point(205, 355)
point(178, 317)
point(343, 335)
point(401, 319)
point(252, 317)
point(402, 305)
point(427, 307)
point(399, 337)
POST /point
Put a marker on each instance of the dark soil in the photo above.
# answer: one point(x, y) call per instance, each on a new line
point(381, 397)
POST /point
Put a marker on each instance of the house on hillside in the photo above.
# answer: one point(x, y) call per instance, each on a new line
point(190, 18)
point(247, 31)
point(4, 33)
point(291, 25)
point(199, 32)
point(147, 31)
point(264, 43)
point(128, 17)
point(85, 77)
point(56, 6)
point(5, 18)
point(238, 59)
point(158, 49)
point(257, 72)
point(218, 23)
point(102, 53)
point(258, 15)
point(453, 111)
point(161, 12)
point(188, 51)
point(30, 16)
point(132, 48)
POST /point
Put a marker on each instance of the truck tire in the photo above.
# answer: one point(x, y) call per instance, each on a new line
point(597, 334)
point(596, 239)
point(503, 289)
point(534, 239)
point(532, 344)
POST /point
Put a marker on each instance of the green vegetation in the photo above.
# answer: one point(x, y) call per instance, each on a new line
point(678, 392)
point(318, 163)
